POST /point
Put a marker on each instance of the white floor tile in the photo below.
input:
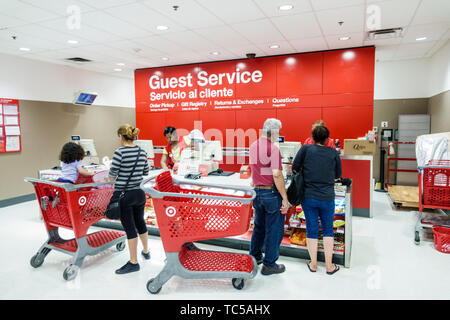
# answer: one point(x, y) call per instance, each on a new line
point(385, 264)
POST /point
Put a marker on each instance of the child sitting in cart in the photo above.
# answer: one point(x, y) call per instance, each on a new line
point(71, 158)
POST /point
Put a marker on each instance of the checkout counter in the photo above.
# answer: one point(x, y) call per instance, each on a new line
point(242, 242)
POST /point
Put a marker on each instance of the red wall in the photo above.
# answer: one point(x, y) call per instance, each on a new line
point(336, 86)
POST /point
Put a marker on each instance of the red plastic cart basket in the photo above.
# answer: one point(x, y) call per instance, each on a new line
point(442, 238)
point(75, 207)
point(434, 190)
point(186, 214)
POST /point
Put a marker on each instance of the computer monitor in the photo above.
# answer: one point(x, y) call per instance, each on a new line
point(147, 146)
point(89, 147)
point(212, 150)
point(289, 149)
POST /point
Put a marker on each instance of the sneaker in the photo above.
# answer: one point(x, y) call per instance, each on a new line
point(146, 255)
point(267, 271)
point(128, 267)
point(258, 262)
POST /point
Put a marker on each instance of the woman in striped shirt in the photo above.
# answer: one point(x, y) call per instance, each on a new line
point(133, 203)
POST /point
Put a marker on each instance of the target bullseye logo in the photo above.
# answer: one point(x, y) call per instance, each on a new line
point(82, 201)
point(171, 211)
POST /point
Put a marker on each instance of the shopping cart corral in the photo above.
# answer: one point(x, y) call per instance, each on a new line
point(434, 193)
point(186, 214)
point(75, 207)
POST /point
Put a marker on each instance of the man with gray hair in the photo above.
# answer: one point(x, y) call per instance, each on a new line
point(271, 198)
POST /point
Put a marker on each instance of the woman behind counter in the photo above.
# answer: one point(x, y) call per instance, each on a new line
point(321, 166)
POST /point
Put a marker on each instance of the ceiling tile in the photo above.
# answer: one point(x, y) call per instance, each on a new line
point(7, 21)
point(190, 14)
point(432, 11)
point(29, 41)
point(258, 31)
point(395, 13)
point(191, 40)
point(144, 17)
point(57, 37)
point(60, 7)
point(353, 18)
point(103, 4)
point(222, 35)
point(309, 44)
point(241, 51)
point(284, 48)
point(416, 50)
point(298, 26)
point(383, 42)
point(270, 7)
point(85, 31)
point(159, 43)
point(356, 40)
point(333, 4)
point(233, 11)
point(25, 11)
point(112, 25)
point(432, 32)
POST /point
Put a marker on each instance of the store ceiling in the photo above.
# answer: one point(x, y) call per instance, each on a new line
point(113, 32)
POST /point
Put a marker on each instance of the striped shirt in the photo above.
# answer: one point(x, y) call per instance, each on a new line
point(122, 166)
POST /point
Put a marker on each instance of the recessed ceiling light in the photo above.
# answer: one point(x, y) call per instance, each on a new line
point(72, 41)
point(286, 7)
point(164, 58)
point(421, 38)
point(120, 64)
point(215, 53)
point(117, 69)
point(274, 46)
point(344, 38)
point(24, 49)
point(162, 28)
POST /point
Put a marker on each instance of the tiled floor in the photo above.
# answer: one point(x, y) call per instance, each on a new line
point(385, 264)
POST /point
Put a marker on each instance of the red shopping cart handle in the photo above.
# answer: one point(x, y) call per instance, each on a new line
point(159, 194)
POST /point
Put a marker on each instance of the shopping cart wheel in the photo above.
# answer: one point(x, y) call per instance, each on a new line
point(238, 283)
point(70, 272)
point(417, 238)
point(151, 288)
point(37, 260)
point(120, 246)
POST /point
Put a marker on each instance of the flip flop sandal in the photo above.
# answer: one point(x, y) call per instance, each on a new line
point(310, 267)
point(336, 269)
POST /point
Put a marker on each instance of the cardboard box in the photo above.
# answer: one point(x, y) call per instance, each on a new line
point(359, 147)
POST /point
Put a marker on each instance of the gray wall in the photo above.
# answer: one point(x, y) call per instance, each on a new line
point(439, 109)
point(45, 127)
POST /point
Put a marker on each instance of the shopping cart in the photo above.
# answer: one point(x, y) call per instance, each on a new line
point(186, 214)
point(434, 191)
point(75, 207)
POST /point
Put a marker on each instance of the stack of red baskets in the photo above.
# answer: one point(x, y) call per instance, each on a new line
point(436, 183)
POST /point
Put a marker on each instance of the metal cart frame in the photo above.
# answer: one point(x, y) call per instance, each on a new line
point(177, 248)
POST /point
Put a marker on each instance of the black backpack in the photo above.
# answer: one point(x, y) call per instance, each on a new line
point(296, 190)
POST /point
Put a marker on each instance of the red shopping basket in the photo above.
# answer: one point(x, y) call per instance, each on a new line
point(185, 219)
point(436, 183)
point(442, 238)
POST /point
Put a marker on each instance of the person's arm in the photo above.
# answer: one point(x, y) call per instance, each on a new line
point(115, 166)
point(85, 172)
point(278, 179)
point(279, 183)
point(297, 164)
point(164, 159)
point(338, 169)
point(146, 167)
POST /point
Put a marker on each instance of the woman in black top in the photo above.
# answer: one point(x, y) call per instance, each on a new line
point(321, 166)
point(132, 204)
